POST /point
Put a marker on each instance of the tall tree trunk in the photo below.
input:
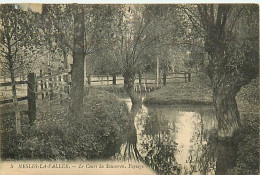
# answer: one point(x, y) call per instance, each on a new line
point(129, 79)
point(15, 102)
point(228, 122)
point(226, 82)
point(226, 110)
point(77, 75)
point(226, 157)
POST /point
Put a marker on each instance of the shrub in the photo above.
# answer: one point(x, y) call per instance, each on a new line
point(55, 136)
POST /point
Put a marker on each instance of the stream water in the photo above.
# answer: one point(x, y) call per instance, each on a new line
point(172, 139)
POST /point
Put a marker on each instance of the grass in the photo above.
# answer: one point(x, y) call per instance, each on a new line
point(181, 93)
point(56, 135)
point(115, 89)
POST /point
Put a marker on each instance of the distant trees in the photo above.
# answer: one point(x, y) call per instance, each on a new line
point(230, 37)
point(18, 45)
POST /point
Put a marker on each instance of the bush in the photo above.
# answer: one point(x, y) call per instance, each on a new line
point(115, 89)
point(59, 137)
point(107, 120)
point(247, 159)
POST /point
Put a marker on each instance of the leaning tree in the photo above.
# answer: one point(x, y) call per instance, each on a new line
point(230, 37)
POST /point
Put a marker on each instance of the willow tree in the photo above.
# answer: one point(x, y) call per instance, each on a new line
point(130, 34)
point(230, 35)
point(138, 29)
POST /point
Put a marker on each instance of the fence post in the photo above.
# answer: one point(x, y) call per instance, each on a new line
point(41, 84)
point(140, 78)
point(66, 87)
point(185, 77)
point(145, 84)
point(189, 77)
point(31, 93)
point(164, 79)
point(46, 87)
point(107, 80)
point(51, 86)
point(55, 81)
point(60, 89)
point(5, 81)
point(114, 79)
point(89, 79)
point(69, 81)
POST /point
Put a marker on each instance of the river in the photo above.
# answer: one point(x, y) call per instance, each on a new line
point(173, 139)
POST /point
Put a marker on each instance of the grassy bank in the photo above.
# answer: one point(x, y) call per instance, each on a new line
point(181, 93)
point(58, 136)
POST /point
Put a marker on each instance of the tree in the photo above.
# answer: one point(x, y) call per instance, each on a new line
point(18, 45)
point(78, 28)
point(131, 38)
point(134, 33)
point(230, 39)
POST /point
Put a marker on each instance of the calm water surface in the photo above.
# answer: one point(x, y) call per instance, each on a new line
point(172, 139)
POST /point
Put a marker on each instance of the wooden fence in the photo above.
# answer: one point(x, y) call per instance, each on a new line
point(97, 80)
point(56, 86)
point(52, 86)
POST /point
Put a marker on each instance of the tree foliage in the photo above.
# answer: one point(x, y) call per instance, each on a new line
point(229, 36)
point(18, 46)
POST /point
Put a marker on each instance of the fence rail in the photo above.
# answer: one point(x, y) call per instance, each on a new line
point(119, 80)
point(10, 84)
point(51, 85)
point(11, 100)
point(58, 82)
point(56, 86)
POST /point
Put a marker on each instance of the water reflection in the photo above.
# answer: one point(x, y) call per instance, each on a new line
point(157, 142)
point(173, 139)
point(129, 149)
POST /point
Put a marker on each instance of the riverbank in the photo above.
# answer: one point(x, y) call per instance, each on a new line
point(191, 93)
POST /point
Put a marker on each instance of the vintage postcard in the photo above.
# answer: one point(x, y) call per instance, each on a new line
point(129, 89)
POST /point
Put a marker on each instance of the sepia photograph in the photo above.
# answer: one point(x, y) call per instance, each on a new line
point(144, 89)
